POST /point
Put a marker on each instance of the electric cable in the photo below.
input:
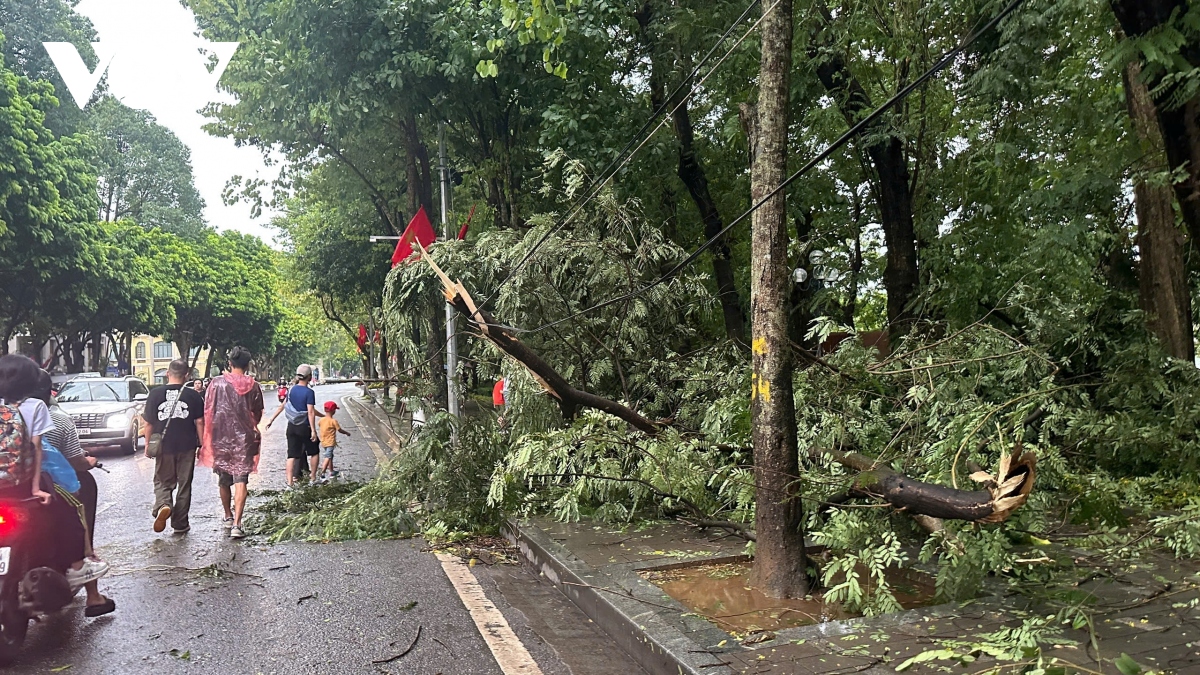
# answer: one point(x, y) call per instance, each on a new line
point(624, 156)
point(808, 166)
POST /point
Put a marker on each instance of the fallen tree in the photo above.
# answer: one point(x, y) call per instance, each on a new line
point(928, 503)
point(1003, 492)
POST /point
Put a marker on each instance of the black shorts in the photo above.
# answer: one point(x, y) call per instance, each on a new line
point(300, 442)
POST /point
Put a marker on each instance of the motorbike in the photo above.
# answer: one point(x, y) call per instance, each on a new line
point(27, 588)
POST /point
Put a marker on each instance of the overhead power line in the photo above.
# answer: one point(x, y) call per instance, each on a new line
point(808, 166)
point(625, 155)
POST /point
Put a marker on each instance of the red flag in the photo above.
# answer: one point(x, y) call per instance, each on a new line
point(418, 229)
point(362, 338)
point(462, 234)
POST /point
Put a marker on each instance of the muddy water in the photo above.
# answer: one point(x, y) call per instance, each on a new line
point(722, 593)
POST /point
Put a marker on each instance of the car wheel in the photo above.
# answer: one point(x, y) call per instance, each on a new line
point(129, 445)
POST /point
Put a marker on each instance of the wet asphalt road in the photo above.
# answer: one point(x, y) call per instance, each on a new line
point(286, 608)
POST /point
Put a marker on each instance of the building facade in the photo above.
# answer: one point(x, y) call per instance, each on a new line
point(152, 355)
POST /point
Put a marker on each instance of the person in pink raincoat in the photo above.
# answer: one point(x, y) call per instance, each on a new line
point(233, 407)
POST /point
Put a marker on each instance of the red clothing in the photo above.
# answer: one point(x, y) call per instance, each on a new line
point(498, 393)
point(233, 407)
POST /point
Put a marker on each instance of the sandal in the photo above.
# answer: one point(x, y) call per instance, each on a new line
point(108, 607)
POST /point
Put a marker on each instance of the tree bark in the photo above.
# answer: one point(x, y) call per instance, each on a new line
point(569, 398)
point(892, 191)
point(1162, 274)
point(691, 172)
point(1003, 493)
point(1178, 124)
point(779, 559)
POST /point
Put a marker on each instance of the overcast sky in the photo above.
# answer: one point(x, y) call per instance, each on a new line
point(159, 67)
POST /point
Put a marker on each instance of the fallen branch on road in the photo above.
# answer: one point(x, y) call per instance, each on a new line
point(406, 649)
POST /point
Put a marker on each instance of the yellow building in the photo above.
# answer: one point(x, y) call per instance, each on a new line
point(152, 355)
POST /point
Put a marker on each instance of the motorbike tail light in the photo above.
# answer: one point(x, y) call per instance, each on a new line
point(10, 519)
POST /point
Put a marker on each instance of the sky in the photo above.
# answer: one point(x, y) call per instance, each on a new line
point(158, 67)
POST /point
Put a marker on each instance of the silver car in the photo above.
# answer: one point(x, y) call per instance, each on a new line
point(107, 410)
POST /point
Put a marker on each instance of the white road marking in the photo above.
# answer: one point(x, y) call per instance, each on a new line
point(506, 647)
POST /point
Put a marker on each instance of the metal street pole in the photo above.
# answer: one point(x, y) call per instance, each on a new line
point(451, 342)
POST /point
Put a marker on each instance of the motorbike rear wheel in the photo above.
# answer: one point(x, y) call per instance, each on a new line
point(14, 623)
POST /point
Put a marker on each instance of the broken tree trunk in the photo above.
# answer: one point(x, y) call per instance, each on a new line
point(569, 398)
point(1003, 492)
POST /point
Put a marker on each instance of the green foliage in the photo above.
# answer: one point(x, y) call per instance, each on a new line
point(437, 485)
point(858, 579)
point(145, 172)
point(335, 512)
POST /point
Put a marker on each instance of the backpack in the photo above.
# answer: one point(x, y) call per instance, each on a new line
point(14, 444)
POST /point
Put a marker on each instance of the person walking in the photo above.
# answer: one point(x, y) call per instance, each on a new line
point(329, 429)
point(177, 412)
point(300, 407)
point(233, 407)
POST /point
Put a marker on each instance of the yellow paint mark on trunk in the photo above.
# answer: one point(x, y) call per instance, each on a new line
point(759, 346)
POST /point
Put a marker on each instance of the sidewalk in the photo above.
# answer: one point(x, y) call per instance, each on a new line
point(1146, 610)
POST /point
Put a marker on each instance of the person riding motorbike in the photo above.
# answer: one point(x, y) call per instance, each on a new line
point(65, 438)
point(54, 530)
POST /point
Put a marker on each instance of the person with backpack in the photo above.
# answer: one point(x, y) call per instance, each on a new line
point(65, 438)
point(233, 407)
point(301, 411)
point(56, 529)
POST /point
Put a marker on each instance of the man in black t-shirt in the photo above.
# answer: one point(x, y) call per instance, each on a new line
point(175, 463)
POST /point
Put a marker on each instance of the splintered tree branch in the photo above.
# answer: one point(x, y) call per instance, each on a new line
point(1004, 493)
point(569, 398)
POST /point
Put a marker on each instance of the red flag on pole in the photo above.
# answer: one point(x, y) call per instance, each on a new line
point(418, 229)
point(462, 234)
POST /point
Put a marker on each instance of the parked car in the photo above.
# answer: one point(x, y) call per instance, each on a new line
point(107, 410)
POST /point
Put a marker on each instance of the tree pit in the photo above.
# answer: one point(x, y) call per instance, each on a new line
point(723, 592)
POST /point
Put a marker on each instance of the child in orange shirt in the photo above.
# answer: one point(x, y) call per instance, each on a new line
point(327, 430)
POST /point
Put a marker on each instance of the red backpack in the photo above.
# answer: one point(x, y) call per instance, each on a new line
point(14, 445)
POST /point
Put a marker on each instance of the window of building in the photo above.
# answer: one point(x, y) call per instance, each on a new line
point(193, 352)
point(162, 350)
point(140, 351)
point(160, 375)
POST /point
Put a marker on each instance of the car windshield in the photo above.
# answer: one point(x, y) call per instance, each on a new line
point(77, 391)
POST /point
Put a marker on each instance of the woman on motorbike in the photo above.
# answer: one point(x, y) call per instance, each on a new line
point(55, 529)
point(65, 438)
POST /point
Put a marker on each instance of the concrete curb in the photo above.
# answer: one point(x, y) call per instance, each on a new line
point(369, 418)
point(660, 648)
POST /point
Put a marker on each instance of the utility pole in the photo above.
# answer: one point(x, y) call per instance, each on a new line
point(451, 314)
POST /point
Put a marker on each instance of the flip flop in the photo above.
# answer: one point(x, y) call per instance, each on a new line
point(108, 607)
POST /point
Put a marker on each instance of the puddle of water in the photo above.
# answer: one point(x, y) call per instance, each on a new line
point(723, 594)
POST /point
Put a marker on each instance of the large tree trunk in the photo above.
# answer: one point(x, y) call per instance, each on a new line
point(779, 559)
point(1179, 124)
point(691, 172)
point(183, 342)
point(892, 188)
point(1162, 275)
point(1003, 492)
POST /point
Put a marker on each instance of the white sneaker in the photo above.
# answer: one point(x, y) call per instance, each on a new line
point(236, 532)
point(227, 523)
point(91, 571)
